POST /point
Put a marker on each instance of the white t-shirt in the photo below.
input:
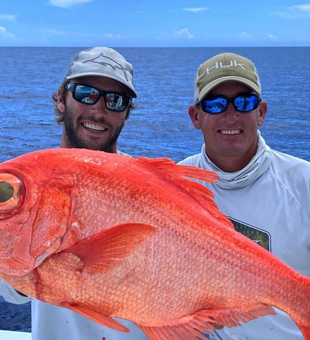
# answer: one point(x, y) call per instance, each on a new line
point(268, 201)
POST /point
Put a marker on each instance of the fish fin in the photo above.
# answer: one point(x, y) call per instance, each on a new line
point(305, 331)
point(205, 322)
point(180, 174)
point(193, 327)
point(106, 249)
point(173, 333)
point(173, 170)
point(99, 318)
point(231, 317)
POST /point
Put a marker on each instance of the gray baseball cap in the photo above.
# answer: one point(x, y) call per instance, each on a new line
point(102, 62)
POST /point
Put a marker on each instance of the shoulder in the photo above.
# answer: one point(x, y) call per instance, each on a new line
point(291, 174)
point(288, 165)
point(122, 153)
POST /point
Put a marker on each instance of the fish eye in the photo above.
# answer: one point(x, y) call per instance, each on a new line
point(11, 193)
point(6, 191)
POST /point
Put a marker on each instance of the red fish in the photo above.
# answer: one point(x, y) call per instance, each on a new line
point(113, 236)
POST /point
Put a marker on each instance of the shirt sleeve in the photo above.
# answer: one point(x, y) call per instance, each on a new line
point(11, 295)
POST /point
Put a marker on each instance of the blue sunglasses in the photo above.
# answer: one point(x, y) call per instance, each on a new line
point(243, 102)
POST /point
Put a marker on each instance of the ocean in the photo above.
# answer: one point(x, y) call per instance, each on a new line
point(164, 78)
point(160, 126)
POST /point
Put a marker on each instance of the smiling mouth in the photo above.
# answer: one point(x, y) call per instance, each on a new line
point(93, 127)
point(229, 132)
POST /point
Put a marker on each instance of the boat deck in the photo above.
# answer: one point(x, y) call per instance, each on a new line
point(9, 335)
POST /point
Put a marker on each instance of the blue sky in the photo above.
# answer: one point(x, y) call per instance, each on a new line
point(157, 23)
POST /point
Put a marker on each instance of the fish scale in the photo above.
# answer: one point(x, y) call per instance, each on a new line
point(135, 238)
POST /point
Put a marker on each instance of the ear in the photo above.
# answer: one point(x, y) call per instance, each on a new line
point(61, 104)
point(263, 107)
point(127, 114)
point(193, 112)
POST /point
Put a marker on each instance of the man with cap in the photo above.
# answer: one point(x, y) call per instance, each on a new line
point(93, 103)
point(95, 99)
point(265, 193)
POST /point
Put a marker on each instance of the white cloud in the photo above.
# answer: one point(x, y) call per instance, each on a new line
point(245, 35)
point(303, 8)
point(67, 3)
point(8, 17)
point(195, 9)
point(295, 12)
point(184, 31)
point(271, 37)
point(5, 34)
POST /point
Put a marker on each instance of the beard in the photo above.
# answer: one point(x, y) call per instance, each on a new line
point(75, 142)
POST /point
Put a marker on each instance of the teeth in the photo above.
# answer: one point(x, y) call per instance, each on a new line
point(230, 132)
point(93, 127)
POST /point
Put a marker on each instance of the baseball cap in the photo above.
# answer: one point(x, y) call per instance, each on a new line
point(102, 62)
point(225, 67)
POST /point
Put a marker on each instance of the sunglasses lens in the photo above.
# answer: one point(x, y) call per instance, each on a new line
point(246, 103)
point(243, 103)
point(86, 95)
point(116, 102)
point(214, 105)
point(90, 95)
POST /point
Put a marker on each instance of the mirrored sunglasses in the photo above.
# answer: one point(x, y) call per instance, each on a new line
point(245, 102)
point(90, 95)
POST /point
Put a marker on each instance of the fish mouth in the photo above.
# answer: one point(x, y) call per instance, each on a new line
point(230, 132)
point(94, 127)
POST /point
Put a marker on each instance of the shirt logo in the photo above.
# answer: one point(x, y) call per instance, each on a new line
point(259, 236)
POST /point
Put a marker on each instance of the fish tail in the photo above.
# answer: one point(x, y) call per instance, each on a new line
point(300, 306)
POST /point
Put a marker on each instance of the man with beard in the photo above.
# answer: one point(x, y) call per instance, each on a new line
point(93, 103)
point(95, 99)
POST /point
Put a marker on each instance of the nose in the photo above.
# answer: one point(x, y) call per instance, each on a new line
point(99, 107)
point(231, 114)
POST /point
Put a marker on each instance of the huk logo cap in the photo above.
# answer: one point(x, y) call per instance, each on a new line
point(102, 62)
point(225, 67)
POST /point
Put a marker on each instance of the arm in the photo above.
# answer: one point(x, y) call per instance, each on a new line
point(11, 295)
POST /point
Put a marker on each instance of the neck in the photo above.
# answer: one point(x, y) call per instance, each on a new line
point(230, 163)
point(64, 143)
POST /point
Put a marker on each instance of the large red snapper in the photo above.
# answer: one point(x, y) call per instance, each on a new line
point(113, 236)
